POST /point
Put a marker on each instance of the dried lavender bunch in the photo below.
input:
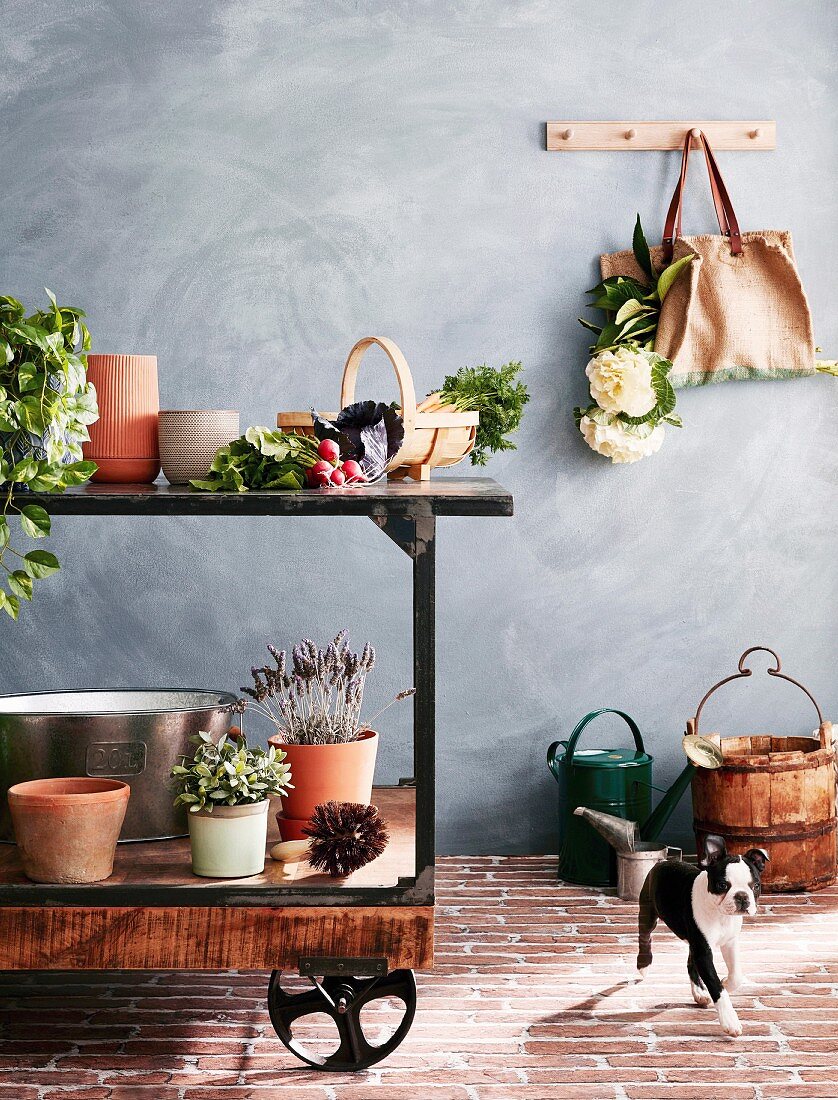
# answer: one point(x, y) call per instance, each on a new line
point(345, 836)
point(315, 696)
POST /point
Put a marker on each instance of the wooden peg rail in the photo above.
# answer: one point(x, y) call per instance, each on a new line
point(575, 136)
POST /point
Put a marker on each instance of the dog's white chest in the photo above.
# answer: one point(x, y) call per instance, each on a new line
point(715, 925)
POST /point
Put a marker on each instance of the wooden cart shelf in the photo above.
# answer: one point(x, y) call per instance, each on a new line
point(159, 871)
point(356, 938)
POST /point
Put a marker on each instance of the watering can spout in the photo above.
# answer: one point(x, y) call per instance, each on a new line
point(620, 834)
point(651, 827)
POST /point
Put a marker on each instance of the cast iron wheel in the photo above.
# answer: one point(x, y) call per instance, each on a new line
point(342, 999)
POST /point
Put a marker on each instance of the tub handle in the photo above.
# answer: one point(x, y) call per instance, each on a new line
point(745, 671)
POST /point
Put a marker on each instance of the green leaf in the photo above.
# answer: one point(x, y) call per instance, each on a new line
point(671, 273)
point(20, 583)
point(35, 521)
point(587, 324)
point(11, 606)
point(641, 250)
point(630, 309)
point(25, 470)
point(40, 564)
point(76, 473)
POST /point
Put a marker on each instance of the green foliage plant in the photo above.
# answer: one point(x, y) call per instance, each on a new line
point(632, 308)
point(46, 406)
point(499, 398)
point(228, 774)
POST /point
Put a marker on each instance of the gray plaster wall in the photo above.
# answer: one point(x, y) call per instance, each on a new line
point(245, 188)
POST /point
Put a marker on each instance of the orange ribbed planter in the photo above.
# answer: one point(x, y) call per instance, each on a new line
point(123, 441)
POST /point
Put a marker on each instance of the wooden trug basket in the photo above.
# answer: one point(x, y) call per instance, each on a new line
point(434, 434)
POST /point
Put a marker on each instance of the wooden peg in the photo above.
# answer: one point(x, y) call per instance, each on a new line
point(754, 134)
point(632, 133)
point(695, 133)
point(567, 135)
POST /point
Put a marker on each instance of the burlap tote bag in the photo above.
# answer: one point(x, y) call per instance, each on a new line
point(739, 310)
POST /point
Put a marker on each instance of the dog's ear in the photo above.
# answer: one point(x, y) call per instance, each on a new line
point(714, 849)
point(759, 857)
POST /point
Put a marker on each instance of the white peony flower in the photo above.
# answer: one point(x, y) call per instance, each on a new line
point(612, 439)
point(621, 381)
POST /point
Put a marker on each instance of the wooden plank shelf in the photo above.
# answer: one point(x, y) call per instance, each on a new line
point(441, 496)
point(156, 872)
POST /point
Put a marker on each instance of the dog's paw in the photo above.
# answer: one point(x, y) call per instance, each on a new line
point(641, 973)
point(727, 1016)
point(700, 995)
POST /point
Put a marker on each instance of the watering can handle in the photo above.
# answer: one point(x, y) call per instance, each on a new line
point(570, 744)
point(745, 671)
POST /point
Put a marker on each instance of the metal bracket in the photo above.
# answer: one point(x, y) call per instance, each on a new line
point(409, 533)
point(339, 967)
point(400, 529)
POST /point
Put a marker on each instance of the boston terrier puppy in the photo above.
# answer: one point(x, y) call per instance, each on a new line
point(704, 905)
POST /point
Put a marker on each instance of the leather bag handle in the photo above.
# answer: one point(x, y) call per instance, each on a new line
point(728, 223)
point(743, 672)
point(570, 744)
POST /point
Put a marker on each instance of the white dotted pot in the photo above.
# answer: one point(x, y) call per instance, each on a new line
point(189, 439)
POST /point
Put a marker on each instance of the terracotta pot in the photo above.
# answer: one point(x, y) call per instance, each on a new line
point(189, 439)
point(123, 441)
point(229, 842)
point(67, 829)
point(324, 772)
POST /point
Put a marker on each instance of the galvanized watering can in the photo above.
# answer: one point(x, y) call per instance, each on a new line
point(616, 784)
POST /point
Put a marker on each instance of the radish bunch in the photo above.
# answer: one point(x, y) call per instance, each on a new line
point(330, 471)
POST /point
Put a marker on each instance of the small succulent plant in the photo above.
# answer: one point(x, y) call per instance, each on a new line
point(315, 698)
point(229, 773)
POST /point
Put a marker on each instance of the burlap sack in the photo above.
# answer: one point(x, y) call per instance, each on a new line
point(739, 311)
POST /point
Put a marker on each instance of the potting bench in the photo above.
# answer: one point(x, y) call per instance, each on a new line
point(357, 939)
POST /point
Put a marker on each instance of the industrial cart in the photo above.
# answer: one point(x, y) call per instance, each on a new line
point(356, 940)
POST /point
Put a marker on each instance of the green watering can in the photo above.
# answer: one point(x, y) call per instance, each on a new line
point(616, 783)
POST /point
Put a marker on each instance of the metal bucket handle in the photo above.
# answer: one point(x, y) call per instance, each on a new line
point(570, 744)
point(743, 672)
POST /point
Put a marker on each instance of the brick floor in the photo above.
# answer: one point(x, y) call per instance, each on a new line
point(531, 999)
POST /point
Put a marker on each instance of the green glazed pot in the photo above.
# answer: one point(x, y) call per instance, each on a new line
point(229, 842)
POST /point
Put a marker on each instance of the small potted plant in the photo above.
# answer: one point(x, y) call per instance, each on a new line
point(314, 701)
point(226, 788)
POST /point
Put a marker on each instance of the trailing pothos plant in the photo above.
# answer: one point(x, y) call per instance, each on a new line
point(46, 405)
point(632, 397)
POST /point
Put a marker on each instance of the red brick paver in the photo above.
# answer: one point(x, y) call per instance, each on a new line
point(532, 998)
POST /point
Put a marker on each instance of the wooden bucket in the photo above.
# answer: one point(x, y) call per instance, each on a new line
point(776, 793)
point(434, 434)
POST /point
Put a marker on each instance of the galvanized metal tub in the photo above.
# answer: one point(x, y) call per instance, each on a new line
point(128, 734)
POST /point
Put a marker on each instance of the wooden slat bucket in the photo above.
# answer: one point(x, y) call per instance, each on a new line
point(434, 434)
point(776, 793)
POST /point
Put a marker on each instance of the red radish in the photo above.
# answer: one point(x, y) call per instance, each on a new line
point(320, 473)
point(352, 470)
point(329, 450)
point(337, 477)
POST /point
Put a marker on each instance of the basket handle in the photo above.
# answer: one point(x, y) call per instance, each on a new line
point(745, 671)
point(407, 390)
